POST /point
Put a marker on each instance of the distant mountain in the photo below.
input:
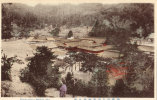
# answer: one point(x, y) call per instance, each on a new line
point(71, 16)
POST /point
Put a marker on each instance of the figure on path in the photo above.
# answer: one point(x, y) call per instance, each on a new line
point(63, 89)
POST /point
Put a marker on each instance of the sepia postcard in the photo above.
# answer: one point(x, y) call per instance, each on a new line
point(78, 50)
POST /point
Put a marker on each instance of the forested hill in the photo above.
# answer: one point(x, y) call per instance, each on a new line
point(70, 15)
point(82, 14)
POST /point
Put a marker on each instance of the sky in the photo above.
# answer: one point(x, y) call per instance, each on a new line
point(53, 2)
point(57, 2)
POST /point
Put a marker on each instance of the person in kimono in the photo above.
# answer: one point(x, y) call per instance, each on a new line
point(63, 89)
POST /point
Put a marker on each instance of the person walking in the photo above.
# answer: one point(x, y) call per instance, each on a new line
point(63, 89)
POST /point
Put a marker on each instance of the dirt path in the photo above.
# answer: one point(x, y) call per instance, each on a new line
point(19, 48)
point(52, 92)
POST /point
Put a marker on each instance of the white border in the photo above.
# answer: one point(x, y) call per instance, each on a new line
point(33, 2)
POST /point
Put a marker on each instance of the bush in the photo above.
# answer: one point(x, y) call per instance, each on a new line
point(75, 86)
point(7, 63)
point(25, 75)
point(55, 32)
point(6, 68)
point(140, 73)
point(98, 86)
point(139, 80)
point(70, 34)
point(40, 83)
point(81, 88)
point(119, 89)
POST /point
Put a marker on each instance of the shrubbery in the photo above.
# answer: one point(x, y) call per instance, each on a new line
point(139, 69)
point(70, 34)
point(76, 86)
point(6, 64)
point(140, 73)
point(96, 87)
point(6, 67)
point(55, 32)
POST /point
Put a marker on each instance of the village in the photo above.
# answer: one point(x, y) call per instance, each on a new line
point(94, 56)
point(24, 48)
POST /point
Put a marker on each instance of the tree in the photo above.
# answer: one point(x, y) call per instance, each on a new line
point(140, 73)
point(98, 86)
point(55, 32)
point(88, 60)
point(40, 72)
point(70, 82)
point(96, 29)
point(120, 89)
point(144, 17)
point(75, 57)
point(6, 21)
point(123, 16)
point(38, 64)
point(70, 34)
point(70, 63)
point(27, 23)
point(11, 15)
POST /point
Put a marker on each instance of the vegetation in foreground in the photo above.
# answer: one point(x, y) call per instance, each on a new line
point(40, 73)
point(139, 74)
point(6, 65)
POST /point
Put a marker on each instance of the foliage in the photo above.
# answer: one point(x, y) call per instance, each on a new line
point(140, 73)
point(98, 86)
point(127, 19)
point(6, 22)
point(6, 68)
point(120, 89)
point(70, 34)
point(10, 16)
point(55, 32)
point(40, 73)
point(83, 59)
point(24, 75)
point(98, 82)
point(138, 81)
point(95, 30)
point(42, 58)
point(70, 82)
point(144, 12)
point(70, 62)
point(81, 88)
point(124, 23)
point(76, 86)
point(95, 61)
point(7, 63)
point(104, 18)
